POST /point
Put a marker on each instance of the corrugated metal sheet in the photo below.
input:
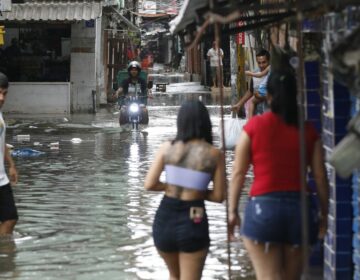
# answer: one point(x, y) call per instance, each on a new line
point(69, 11)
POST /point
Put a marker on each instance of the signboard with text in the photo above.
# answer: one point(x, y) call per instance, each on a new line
point(240, 37)
point(158, 7)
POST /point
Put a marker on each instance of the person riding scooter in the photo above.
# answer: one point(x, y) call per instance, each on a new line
point(132, 87)
point(134, 84)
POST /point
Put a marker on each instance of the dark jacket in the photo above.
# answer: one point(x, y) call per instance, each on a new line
point(125, 85)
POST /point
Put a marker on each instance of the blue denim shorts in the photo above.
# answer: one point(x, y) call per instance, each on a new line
point(276, 218)
point(174, 231)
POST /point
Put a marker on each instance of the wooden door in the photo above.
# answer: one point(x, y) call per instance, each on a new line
point(115, 57)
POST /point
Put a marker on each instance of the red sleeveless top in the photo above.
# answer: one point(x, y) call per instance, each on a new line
point(275, 153)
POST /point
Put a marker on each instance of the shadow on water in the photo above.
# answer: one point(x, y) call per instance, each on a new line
point(83, 211)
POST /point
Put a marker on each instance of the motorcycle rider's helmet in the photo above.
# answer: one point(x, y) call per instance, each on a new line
point(134, 64)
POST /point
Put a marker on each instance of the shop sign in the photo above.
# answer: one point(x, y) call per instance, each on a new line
point(90, 23)
point(147, 7)
point(240, 37)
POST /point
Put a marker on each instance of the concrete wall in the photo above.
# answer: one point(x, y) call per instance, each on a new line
point(38, 98)
point(99, 62)
point(82, 69)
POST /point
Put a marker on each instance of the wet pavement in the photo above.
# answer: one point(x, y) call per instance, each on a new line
point(83, 211)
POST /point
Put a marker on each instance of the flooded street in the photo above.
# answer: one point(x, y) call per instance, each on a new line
point(83, 210)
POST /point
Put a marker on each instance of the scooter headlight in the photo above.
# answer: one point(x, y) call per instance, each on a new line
point(134, 108)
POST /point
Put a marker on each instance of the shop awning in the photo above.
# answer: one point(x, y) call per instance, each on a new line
point(188, 15)
point(52, 11)
point(254, 14)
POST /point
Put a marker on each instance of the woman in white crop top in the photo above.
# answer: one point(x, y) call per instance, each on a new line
point(190, 161)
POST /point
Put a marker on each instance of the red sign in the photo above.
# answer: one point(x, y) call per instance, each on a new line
point(240, 37)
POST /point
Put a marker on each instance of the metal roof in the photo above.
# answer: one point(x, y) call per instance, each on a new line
point(51, 11)
point(187, 15)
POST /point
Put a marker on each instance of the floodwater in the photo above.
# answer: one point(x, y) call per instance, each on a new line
point(83, 211)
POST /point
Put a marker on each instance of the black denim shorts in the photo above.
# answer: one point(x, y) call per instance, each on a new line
point(8, 209)
point(276, 218)
point(175, 231)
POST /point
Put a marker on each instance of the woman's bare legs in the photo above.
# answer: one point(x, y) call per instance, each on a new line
point(267, 262)
point(192, 264)
point(292, 262)
point(277, 262)
point(185, 266)
point(172, 263)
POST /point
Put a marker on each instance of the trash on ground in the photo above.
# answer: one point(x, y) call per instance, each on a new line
point(54, 146)
point(22, 137)
point(26, 152)
point(76, 140)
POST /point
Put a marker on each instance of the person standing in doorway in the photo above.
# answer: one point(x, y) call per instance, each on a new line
point(8, 211)
point(215, 54)
point(190, 162)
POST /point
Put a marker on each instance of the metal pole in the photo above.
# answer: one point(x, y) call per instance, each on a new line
point(221, 88)
point(303, 164)
point(219, 74)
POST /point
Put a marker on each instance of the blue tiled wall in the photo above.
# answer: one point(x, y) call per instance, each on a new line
point(342, 243)
point(356, 205)
point(330, 115)
point(313, 114)
point(338, 256)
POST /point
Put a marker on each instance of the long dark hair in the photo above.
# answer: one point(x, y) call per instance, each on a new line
point(282, 88)
point(4, 82)
point(193, 122)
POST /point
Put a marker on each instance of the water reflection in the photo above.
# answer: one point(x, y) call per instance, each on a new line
point(83, 211)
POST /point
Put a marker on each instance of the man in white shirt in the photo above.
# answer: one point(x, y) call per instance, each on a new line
point(214, 54)
point(8, 211)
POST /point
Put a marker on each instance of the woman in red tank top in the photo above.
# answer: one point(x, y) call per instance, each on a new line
point(271, 228)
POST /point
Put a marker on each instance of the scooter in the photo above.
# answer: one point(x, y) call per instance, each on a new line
point(134, 112)
point(133, 107)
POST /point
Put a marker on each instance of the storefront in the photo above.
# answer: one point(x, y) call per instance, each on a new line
point(52, 56)
point(35, 52)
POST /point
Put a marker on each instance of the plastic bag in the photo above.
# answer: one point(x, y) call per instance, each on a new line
point(232, 130)
point(26, 152)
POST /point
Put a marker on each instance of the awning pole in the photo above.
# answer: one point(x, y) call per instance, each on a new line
point(219, 74)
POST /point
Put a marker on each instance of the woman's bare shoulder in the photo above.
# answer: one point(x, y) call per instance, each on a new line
point(165, 146)
point(217, 152)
